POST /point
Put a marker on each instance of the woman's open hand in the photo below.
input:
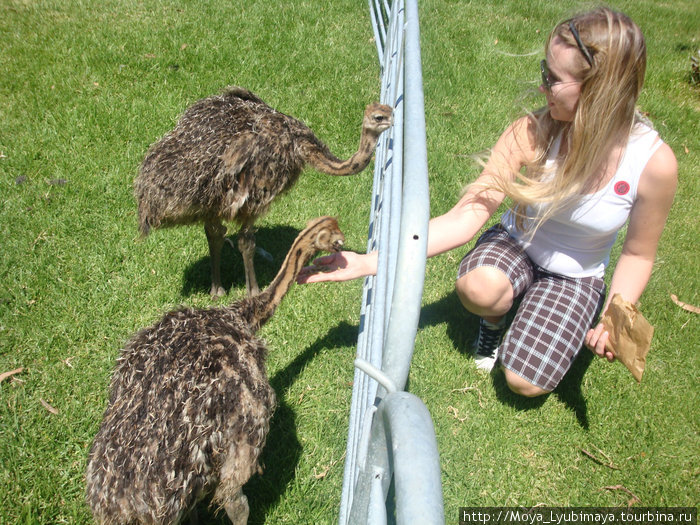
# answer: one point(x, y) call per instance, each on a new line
point(340, 266)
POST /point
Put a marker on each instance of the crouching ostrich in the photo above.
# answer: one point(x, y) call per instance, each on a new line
point(190, 405)
point(228, 157)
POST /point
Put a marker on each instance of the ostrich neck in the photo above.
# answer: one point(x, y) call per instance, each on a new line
point(259, 308)
point(324, 161)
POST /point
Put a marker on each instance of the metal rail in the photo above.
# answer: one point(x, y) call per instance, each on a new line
point(391, 436)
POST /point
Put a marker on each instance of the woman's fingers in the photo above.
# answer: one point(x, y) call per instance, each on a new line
point(596, 339)
point(327, 268)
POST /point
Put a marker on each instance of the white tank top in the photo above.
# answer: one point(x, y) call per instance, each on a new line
point(576, 241)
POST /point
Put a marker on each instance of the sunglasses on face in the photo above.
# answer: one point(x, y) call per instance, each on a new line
point(549, 79)
point(547, 82)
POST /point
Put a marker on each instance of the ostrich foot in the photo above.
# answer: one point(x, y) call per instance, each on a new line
point(217, 290)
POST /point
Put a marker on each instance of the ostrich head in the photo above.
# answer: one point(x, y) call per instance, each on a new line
point(378, 118)
point(325, 234)
point(321, 234)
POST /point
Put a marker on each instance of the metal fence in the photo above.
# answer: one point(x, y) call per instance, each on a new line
point(392, 469)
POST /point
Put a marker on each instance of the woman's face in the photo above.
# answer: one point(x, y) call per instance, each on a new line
point(563, 96)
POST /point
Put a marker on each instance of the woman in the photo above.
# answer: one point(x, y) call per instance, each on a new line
point(576, 171)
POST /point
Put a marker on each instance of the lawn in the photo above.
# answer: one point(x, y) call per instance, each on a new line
point(87, 86)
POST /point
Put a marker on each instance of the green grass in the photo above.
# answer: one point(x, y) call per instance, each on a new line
point(87, 86)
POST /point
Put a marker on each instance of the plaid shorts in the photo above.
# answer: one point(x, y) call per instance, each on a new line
point(554, 314)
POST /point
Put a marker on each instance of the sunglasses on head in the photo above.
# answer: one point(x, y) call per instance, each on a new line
point(584, 50)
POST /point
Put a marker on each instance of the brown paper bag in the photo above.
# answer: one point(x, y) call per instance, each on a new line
point(629, 335)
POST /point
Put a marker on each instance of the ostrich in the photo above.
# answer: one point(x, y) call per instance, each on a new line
point(190, 405)
point(228, 157)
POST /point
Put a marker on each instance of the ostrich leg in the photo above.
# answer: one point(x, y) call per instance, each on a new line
point(246, 245)
point(215, 237)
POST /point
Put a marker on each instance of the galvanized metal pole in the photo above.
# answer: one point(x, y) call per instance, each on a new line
point(415, 214)
point(391, 434)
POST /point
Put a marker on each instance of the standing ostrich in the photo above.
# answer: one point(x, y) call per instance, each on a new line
point(228, 157)
point(190, 405)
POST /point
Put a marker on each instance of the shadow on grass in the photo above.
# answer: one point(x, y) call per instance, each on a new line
point(463, 329)
point(568, 390)
point(282, 449)
point(276, 240)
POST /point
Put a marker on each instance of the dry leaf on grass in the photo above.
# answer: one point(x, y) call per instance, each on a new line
point(634, 499)
point(5, 375)
point(455, 414)
point(473, 389)
point(609, 464)
point(685, 306)
point(48, 407)
point(324, 472)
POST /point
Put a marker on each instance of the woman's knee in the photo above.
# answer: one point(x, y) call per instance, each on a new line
point(522, 386)
point(485, 290)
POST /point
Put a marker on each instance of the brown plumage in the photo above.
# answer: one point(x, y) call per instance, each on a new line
point(228, 157)
point(190, 405)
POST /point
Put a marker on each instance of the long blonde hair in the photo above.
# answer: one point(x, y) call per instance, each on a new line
point(604, 117)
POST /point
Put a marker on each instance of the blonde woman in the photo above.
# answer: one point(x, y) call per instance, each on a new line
point(575, 171)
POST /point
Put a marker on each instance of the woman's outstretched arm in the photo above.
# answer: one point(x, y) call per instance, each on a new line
point(452, 229)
